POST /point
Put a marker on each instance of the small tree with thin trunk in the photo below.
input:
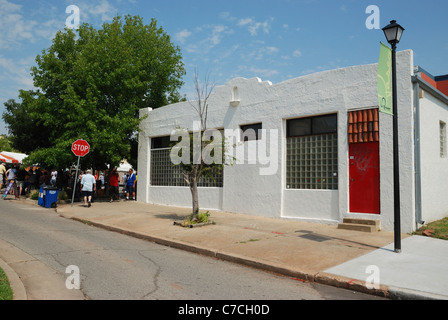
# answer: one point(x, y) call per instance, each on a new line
point(201, 152)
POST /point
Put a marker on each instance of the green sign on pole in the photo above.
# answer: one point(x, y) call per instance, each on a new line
point(385, 80)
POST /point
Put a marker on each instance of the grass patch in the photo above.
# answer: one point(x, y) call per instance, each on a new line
point(34, 195)
point(250, 240)
point(201, 218)
point(5, 288)
point(437, 229)
point(87, 222)
point(62, 195)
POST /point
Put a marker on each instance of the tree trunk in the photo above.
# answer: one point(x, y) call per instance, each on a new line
point(194, 196)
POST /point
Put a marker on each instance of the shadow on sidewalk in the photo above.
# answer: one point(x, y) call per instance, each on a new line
point(171, 216)
point(311, 235)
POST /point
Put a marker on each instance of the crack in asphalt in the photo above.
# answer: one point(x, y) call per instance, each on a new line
point(156, 276)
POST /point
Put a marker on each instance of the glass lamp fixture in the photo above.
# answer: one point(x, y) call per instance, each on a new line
point(393, 32)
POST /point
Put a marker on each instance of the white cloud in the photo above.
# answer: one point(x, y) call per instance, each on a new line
point(245, 21)
point(49, 28)
point(260, 53)
point(254, 26)
point(271, 50)
point(226, 53)
point(93, 10)
point(297, 53)
point(264, 72)
point(214, 36)
point(224, 15)
point(181, 36)
point(16, 71)
point(255, 72)
point(6, 6)
point(217, 32)
point(18, 27)
point(14, 28)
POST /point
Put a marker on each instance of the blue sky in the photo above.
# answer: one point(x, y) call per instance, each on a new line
point(274, 40)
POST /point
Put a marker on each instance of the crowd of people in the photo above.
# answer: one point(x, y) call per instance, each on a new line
point(21, 179)
point(110, 182)
point(89, 186)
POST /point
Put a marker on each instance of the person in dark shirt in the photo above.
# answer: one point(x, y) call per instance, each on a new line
point(21, 173)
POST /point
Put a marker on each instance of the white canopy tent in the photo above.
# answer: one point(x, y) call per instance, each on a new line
point(124, 166)
point(12, 157)
point(123, 169)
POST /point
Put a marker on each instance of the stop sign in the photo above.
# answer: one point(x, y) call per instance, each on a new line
point(80, 148)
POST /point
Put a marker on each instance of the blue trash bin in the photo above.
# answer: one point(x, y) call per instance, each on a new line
point(50, 197)
point(40, 200)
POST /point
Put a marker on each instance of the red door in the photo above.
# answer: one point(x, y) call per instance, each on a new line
point(364, 177)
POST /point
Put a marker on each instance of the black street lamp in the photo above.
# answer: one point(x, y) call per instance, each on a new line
point(393, 33)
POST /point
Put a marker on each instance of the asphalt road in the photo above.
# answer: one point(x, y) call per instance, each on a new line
point(119, 267)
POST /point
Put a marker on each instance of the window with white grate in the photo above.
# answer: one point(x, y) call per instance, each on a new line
point(443, 153)
point(165, 173)
point(312, 153)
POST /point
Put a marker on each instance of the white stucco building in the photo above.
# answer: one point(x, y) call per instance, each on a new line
point(325, 152)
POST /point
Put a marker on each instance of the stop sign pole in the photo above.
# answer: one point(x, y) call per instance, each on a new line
point(80, 148)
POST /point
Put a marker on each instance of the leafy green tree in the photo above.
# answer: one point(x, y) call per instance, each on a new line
point(6, 144)
point(27, 131)
point(91, 85)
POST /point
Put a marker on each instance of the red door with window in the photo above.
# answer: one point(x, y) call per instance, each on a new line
point(364, 178)
point(364, 162)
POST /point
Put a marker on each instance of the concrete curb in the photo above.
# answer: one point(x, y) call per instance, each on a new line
point(320, 277)
point(18, 289)
point(350, 284)
point(408, 294)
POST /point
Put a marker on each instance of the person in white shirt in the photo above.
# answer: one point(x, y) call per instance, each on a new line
point(54, 175)
point(88, 185)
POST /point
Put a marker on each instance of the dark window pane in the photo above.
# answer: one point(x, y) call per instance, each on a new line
point(160, 142)
point(251, 132)
point(325, 124)
point(299, 127)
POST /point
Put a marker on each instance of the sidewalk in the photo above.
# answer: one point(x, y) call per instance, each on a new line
point(304, 251)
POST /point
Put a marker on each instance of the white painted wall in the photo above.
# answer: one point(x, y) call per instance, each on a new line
point(434, 169)
point(209, 198)
point(245, 190)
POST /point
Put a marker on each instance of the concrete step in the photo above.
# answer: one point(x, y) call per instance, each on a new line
point(363, 225)
point(369, 222)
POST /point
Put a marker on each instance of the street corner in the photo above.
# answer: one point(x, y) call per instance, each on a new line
point(351, 284)
point(16, 284)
